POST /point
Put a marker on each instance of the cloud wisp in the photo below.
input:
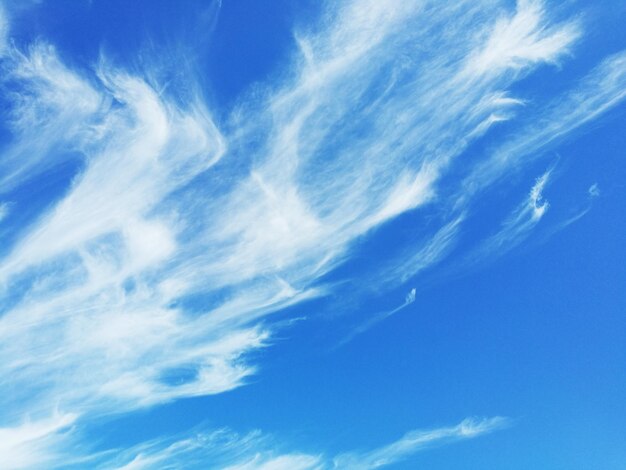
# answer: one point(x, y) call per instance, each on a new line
point(255, 451)
point(416, 441)
point(518, 224)
point(377, 318)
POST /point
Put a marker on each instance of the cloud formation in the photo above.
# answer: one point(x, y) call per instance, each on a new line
point(255, 451)
point(152, 274)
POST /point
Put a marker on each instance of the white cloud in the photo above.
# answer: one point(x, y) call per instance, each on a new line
point(523, 39)
point(152, 277)
point(54, 106)
point(4, 210)
point(428, 253)
point(593, 192)
point(283, 462)
point(518, 224)
point(229, 451)
point(410, 297)
point(34, 443)
point(377, 318)
point(3, 30)
point(416, 441)
point(598, 92)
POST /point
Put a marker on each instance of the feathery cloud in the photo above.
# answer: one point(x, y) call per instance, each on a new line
point(153, 272)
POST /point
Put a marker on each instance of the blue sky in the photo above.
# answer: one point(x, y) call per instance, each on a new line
point(312, 235)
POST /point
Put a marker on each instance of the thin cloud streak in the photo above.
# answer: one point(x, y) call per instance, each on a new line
point(518, 224)
point(229, 451)
point(377, 318)
point(416, 441)
point(597, 93)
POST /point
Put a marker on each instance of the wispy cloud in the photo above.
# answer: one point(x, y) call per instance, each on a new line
point(377, 318)
point(4, 210)
point(154, 272)
point(594, 190)
point(428, 253)
point(518, 224)
point(523, 39)
point(3, 30)
point(416, 441)
point(598, 92)
point(229, 451)
point(35, 443)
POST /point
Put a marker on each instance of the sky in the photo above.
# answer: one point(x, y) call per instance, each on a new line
point(312, 235)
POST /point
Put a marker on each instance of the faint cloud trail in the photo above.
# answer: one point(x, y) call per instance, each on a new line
point(375, 319)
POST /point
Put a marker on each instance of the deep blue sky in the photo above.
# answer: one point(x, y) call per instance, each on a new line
point(312, 235)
